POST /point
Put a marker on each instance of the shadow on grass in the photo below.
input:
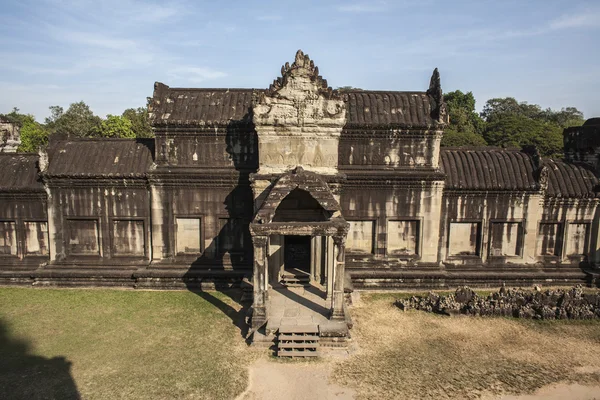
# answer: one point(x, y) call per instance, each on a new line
point(27, 376)
point(238, 317)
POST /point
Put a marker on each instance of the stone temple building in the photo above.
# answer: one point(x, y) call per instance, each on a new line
point(299, 184)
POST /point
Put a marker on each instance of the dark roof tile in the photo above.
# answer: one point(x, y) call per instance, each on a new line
point(101, 157)
point(570, 180)
point(487, 169)
point(217, 107)
point(19, 172)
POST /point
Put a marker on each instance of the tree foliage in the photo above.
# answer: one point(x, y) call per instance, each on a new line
point(115, 126)
point(466, 125)
point(140, 124)
point(77, 121)
point(519, 130)
point(513, 123)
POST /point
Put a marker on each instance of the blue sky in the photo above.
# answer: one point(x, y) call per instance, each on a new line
point(109, 53)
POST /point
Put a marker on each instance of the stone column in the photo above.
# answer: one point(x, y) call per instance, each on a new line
point(337, 300)
point(315, 259)
point(329, 266)
point(259, 306)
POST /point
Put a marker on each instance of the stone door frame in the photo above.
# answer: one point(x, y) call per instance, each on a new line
point(336, 228)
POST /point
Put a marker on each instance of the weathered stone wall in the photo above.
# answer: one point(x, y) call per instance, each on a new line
point(222, 212)
point(504, 225)
point(23, 240)
point(415, 208)
point(91, 222)
point(359, 149)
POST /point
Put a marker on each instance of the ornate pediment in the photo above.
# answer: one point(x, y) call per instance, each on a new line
point(299, 98)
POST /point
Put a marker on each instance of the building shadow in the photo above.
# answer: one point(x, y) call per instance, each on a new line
point(27, 376)
point(227, 262)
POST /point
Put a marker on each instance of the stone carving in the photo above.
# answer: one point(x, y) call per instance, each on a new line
point(299, 120)
point(299, 98)
point(10, 136)
point(438, 106)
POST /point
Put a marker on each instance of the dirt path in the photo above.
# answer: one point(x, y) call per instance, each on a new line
point(560, 391)
point(277, 380)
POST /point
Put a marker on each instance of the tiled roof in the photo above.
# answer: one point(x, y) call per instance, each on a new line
point(19, 172)
point(101, 157)
point(217, 107)
point(570, 180)
point(487, 169)
point(375, 108)
point(178, 106)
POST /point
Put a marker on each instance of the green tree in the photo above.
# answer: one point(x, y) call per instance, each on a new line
point(519, 130)
point(33, 134)
point(501, 107)
point(140, 122)
point(466, 125)
point(116, 126)
point(78, 120)
point(462, 139)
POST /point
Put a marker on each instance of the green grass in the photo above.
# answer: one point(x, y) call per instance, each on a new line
point(120, 344)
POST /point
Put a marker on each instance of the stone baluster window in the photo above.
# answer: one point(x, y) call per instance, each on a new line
point(36, 238)
point(189, 240)
point(549, 239)
point(360, 237)
point(506, 239)
point(83, 237)
point(8, 238)
point(128, 238)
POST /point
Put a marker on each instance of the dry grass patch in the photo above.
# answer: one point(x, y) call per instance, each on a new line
point(418, 355)
point(111, 344)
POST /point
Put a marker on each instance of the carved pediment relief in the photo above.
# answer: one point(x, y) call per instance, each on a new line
point(299, 98)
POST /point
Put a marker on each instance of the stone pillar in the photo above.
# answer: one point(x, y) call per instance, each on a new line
point(337, 300)
point(315, 259)
point(259, 306)
point(275, 258)
point(329, 266)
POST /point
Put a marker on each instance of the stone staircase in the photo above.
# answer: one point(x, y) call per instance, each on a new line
point(298, 341)
point(295, 278)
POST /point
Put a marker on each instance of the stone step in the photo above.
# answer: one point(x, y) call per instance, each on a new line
point(298, 337)
point(299, 346)
point(298, 341)
point(296, 353)
point(299, 329)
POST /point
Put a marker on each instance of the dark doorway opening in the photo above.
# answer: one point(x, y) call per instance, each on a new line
point(297, 253)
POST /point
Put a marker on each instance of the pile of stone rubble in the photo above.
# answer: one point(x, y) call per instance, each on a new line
point(519, 303)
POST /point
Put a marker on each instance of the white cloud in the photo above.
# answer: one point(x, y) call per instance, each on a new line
point(580, 20)
point(365, 7)
point(195, 74)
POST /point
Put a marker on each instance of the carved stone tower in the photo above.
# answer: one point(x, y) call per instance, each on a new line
point(299, 120)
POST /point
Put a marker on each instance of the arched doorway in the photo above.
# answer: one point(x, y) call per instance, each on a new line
point(299, 227)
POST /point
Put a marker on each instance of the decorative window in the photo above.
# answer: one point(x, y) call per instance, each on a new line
point(360, 236)
point(83, 237)
point(506, 239)
point(36, 238)
point(403, 238)
point(549, 239)
point(188, 236)
point(8, 239)
point(577, 239)
point(129, 238)
point(231, 237)
point(464, 239)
